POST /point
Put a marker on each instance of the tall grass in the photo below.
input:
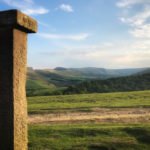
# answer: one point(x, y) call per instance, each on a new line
point(90, 137)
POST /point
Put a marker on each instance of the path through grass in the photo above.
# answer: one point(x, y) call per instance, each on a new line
point(89, 135)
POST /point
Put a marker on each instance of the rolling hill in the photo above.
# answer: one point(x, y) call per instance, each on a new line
point(55, 81)
point(93, 72)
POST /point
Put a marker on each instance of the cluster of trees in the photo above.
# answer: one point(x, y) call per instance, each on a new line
point(130, 83)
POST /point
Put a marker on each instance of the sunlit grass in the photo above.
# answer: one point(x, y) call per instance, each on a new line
point(85, 102)
point(89, 136)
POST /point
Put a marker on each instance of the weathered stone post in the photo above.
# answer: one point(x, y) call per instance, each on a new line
point(14, 27)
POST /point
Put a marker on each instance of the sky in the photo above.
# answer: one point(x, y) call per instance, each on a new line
point(87, 33)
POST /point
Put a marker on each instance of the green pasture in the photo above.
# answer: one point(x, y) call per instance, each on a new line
point(86, 102)
point(90, 137)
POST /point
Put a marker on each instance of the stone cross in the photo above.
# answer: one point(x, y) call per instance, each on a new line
point(14, 27)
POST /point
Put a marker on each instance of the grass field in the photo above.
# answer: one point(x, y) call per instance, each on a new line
point(90, 135)
point(85, 102)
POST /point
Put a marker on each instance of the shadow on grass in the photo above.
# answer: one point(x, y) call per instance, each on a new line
point(78, 132)
point(99, 147)
point(141, 135)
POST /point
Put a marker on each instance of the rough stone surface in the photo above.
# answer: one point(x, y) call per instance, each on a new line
point(13, 105)
point(19, 95)
point(17, 19)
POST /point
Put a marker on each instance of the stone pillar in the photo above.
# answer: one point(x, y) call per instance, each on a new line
point(14, 27)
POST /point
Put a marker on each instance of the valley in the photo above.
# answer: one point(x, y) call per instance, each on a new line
point(60, 81)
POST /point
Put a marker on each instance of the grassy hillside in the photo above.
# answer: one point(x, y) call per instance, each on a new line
point(48, 82)
point(39, 87)
point(81, 73)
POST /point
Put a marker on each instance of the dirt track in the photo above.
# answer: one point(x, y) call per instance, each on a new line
point(131, 115)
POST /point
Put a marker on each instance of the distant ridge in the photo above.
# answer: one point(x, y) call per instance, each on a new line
point(54, 81)
point(60, 68)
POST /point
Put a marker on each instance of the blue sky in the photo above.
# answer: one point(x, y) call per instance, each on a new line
point(87, 33)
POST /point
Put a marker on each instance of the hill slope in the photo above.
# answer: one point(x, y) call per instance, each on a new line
point(129, 83)
point(54, 81)
point(48, 82)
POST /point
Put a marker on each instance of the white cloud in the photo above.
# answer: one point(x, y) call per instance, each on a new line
point(139, 22)
point(138, 19)
point(141, 45)
point(122, 54)
point(75, 37)
point(34, 11)
point(129, 3)
point(66, 8)
point(135, 59)
point(26, 6)
point(141, 32)
point(29, 1)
